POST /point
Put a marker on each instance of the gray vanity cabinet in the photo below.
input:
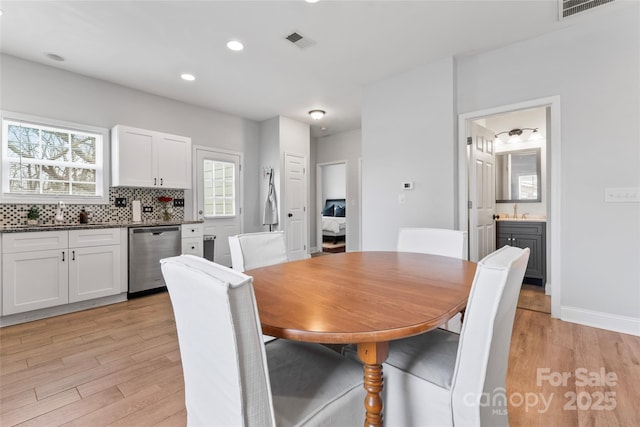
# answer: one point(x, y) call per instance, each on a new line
point(526, 234)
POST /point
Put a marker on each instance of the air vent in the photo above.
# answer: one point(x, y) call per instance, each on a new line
point(299, 40)
point(572, 7)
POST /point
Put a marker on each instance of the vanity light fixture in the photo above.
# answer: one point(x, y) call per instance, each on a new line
point(188, 77)
point(317, 114)
point(235, 45)
point(514, 135)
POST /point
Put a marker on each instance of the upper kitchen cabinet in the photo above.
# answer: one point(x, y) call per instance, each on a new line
point(150, 159)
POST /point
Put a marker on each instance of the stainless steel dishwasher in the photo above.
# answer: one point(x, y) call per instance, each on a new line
point(147, 246)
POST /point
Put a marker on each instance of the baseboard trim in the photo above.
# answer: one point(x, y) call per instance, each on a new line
point(43, 313)
point(597, 319)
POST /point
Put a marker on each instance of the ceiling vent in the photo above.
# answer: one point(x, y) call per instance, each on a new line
point(299, 40)
point(572, 7)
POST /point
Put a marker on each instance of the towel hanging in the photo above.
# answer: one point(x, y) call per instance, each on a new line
point(270, 217)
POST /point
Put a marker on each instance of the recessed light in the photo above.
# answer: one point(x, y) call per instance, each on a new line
point(311, 1)
point(235, 45)
point(188, 77)
point(54, 57)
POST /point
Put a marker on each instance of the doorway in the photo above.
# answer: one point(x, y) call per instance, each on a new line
point(551, 210)
point(217, 197)
point(331, 194)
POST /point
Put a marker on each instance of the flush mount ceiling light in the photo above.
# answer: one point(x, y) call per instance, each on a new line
point(514, 135)
point(311, 1)
point(188, 77)
point(235, 45)
point(317, 114)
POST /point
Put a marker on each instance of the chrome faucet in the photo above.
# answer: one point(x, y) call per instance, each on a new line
point(515, 211)
point(59, 214)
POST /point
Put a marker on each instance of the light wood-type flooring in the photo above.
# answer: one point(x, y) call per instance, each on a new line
point(120, 365)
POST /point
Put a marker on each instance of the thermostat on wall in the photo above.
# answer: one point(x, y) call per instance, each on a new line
point(407, 185)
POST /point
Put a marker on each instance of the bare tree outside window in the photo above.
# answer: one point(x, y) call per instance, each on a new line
point(51, 161)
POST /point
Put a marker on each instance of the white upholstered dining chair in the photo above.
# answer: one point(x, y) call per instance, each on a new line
point(233, 379)
point(253, 250)
point(436, 241)
point(441, 378)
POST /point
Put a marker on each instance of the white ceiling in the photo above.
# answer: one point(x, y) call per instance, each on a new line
point(146, 45)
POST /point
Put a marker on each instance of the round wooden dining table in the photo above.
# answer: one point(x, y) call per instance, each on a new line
point(364, 298)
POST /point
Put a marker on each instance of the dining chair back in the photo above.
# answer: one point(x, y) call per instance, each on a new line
point(442, 378)
point(253, 250)
point(230, 377)
point(436, 241)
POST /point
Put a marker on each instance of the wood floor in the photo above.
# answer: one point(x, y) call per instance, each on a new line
point(120, 365)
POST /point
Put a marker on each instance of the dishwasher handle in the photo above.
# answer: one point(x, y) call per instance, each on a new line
point(156, 231)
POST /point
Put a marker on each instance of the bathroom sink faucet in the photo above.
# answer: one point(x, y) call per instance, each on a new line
point(59, 214)
point(515, 211)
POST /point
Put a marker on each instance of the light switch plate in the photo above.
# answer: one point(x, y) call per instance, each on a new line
point(147, 209)
point(622, 195)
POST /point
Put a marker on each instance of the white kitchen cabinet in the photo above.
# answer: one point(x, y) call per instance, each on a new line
point(52, 268)
point(34, 271)
point(95, 263)
point(149, 159)
point(192, 236)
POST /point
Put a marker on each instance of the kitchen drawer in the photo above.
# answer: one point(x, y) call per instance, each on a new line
point(94, 237)
point(34, 241)
point(192, 230)
point(192, 246)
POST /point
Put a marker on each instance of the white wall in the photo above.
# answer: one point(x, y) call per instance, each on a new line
point(334, 181)
point(345, 146)
point(408, 135)
point(594, 66)
point(40, 90)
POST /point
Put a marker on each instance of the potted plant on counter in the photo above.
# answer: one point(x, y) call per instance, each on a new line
point(32, 215)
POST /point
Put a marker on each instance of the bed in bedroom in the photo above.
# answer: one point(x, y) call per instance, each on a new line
point(334, 219)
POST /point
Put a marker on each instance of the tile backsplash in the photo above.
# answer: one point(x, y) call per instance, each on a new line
point(16, 214)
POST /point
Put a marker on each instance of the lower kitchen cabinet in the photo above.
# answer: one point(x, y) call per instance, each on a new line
point(51, 268)
point(94, 272)
point(33, 280)
point(192, 239)
point(526, 234)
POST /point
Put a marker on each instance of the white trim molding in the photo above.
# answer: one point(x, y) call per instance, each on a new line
point(597, 319)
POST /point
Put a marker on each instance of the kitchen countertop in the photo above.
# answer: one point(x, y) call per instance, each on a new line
point(96, 225)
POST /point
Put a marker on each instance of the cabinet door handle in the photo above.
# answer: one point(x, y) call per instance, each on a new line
point(155, 181)
point(161, 181)
point(62, 256)
point(73, 255)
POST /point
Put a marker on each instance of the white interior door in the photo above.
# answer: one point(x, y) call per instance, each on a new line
point(482, 199)
point(218, 198)
point(294, 209)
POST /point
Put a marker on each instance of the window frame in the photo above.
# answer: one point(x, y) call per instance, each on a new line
point(234, 196)
point(102, 167)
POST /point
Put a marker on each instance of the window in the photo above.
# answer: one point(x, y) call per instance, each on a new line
point(219, 188)
point(46, 161)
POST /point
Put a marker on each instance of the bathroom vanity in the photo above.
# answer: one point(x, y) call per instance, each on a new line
point(530, 234)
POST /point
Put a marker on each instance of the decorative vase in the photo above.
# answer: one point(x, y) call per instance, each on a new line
point(167, 211)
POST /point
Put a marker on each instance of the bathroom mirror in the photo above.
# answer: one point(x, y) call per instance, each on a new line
point(518, 176)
